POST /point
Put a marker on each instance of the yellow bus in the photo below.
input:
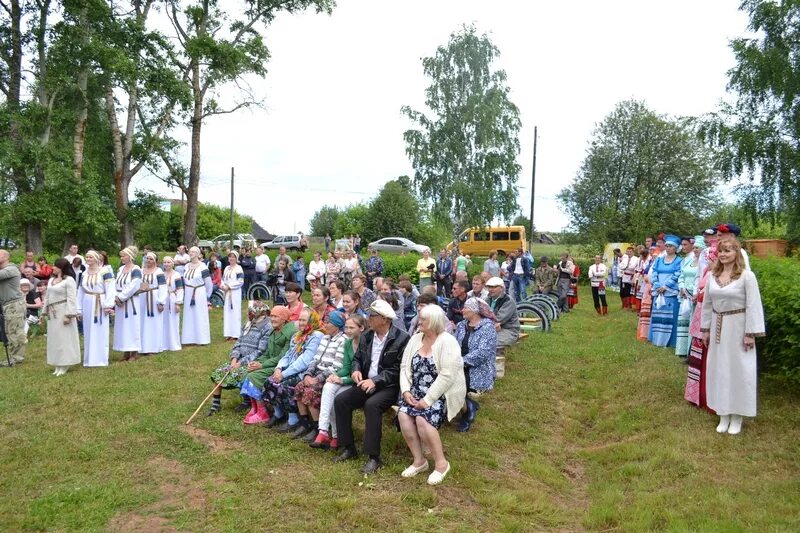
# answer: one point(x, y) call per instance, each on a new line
point(481, 241)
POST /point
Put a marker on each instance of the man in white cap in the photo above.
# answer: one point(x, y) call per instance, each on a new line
point(505, 311)
point(376, 378)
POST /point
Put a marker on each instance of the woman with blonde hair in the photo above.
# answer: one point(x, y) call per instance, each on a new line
point(197, 289)
point(232, 282)
point(152, 299)
point(172, 310)
point(96, 295)
point(732, 318)
point(127, 319)
point(432, 388)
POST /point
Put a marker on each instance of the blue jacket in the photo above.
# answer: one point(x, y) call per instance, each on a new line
point(480, 360)
point(444, 267)
point(526, 266)
point(296, 363)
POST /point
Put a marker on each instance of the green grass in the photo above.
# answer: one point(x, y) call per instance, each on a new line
point(587, 431)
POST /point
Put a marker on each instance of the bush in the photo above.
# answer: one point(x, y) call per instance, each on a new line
point(780, 293)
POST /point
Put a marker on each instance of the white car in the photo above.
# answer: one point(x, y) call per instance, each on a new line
point(221, 242)
point(397, 245)
point(291, 242)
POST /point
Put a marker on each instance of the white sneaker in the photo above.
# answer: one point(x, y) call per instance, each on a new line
point(736, 425)
point(724, 422)
point(437, 477)
point(412, 470)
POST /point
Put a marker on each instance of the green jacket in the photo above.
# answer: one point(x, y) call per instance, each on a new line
point(347, 363)
point(276, 348)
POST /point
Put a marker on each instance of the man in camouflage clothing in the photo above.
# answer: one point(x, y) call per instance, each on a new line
point(13, 309)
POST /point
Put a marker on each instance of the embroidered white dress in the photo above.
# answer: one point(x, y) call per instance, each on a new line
point(63, 346)
point(197, 289)
point(233, 277)
point(127, 320)
point(172, 335)
point(152, 293)
point(96, 294)
point(729, 313)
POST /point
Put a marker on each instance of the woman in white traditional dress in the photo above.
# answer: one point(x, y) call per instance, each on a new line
point(152, 299)
point(127, 315)
point(197, 290)
point(95, 303)
point(60, 308)
point(232, 281)
point(732, 318)
point(172, 310)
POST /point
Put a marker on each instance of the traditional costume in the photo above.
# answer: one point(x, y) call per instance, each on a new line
point(233, 278)
point(197, 289)
point(172, 335)
point(152, 293)
point(63, 346)
point(664, 314)
point(96, 294)
point(127, 319)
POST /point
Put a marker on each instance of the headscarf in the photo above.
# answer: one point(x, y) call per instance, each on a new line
point(130, 251)
point(699, 242)
point(281, 311)
point(672, 240)
point(301, 337)
point(337, 319)
point(152, 255)
point(258, 310)
point(729, 227)
point(96, 256)
point(476, 305)
point(234, 253)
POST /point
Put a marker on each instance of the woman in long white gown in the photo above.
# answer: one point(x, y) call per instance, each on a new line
point(732, 318)
point(197, 290)
point(232, 281)
point(60, 308)
point(127, 315)
point(95, 303)
point(152, 298)
point(172, 310)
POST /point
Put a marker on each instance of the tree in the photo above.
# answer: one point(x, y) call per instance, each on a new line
point(324, 221)
point(394, 212)
point(642, 173)
point(465, 154)
point(759, 135)
point(351, 221)
point(213, 53)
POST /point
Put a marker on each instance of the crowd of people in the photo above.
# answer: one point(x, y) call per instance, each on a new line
point(684, 289)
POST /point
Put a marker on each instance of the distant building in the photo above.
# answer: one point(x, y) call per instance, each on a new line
point(261, 234)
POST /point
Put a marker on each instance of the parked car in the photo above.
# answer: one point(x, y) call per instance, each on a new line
point(291, 242)
point(220, 242)
point(7, 243)
point(397, 245)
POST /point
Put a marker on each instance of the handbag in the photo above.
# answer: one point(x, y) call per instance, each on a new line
point(660, 301)
point(686, 308)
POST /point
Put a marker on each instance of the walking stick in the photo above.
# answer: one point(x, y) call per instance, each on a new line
point(206, 399)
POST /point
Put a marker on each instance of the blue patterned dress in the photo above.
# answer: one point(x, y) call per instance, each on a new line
point(423, 374)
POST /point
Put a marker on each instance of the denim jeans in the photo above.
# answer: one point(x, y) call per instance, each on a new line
point(520, 287)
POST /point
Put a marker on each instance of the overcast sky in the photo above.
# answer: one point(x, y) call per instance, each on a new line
point(331, 131)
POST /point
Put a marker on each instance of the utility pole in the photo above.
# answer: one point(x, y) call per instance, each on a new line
point(533, 181)
point(231, 235)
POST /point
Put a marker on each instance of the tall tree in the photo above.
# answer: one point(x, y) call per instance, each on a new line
point(394, 212)
point(465, 154)
point(759, 134)
point(642, 173)
point(215, 52)
point(324, 220)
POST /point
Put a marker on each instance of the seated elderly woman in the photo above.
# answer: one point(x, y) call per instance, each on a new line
point(327, 362)
point(252, 343)
point(478, 339)
point(260, 368)
point(279, 388)
point(432, 388)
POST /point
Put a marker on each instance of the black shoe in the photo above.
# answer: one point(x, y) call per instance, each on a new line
point(311, 436)
point(274, 421)
point(286, 427)
point(464, 425)
point(212, 411)
point(472, 410)
point(371, 466)
point(244, 406)
point(301, 431)
point(347, 454)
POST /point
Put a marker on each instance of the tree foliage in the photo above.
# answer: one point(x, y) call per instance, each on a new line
point(759, 134)
point(642, 173)
point(465, 154)
point(324, 221)
point(393, 213)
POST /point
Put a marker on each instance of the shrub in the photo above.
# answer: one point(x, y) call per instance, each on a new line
point(780, 294)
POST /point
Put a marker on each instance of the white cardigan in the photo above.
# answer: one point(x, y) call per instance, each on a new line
point(450, 381)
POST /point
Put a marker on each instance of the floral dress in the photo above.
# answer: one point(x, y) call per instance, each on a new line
point(423, 374)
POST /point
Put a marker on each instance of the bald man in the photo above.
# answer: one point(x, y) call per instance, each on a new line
point(13, 305)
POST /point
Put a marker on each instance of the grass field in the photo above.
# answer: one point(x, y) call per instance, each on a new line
point(587, 431)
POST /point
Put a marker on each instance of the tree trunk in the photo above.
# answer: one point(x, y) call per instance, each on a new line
point(190, 228)
point(121, 179)
point(79, 135)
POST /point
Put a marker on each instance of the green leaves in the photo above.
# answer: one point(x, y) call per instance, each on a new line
point(642, 173)
point(464, 156)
